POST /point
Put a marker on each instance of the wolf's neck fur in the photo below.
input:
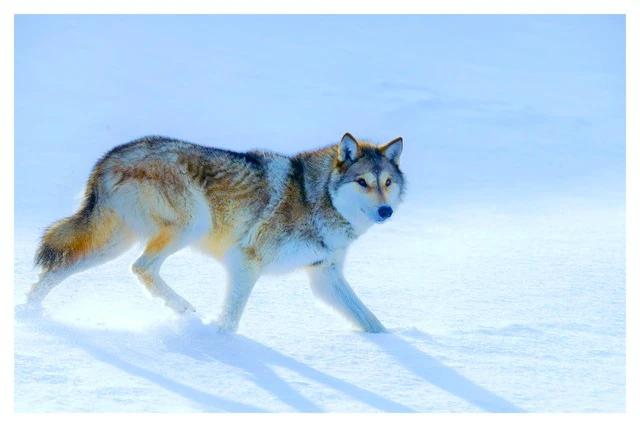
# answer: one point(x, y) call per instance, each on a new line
point(317, 167)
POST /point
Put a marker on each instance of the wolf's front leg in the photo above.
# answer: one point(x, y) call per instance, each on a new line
point(328, 284)
point(242, 275)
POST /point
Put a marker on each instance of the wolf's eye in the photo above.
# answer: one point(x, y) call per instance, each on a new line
point(388, 182)
point(362, 182)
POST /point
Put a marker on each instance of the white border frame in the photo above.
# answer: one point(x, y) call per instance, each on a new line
point(630, 8)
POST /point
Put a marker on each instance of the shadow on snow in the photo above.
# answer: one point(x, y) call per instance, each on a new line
point(203, 342)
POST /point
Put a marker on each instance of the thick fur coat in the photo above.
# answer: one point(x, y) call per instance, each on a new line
point(256, 212)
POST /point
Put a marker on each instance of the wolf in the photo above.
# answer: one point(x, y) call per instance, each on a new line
point(256, 212)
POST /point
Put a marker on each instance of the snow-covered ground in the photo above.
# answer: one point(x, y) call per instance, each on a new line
point(488, 311)
point(501, 279)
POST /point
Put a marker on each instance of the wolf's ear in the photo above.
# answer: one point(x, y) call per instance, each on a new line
point(348, 148)
point(392, 149)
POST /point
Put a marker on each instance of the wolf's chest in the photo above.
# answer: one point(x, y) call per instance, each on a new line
point(293, 255)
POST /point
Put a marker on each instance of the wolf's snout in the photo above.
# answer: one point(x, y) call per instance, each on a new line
point(385, 211)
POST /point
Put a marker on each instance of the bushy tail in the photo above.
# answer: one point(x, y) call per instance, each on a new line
point(71, 238)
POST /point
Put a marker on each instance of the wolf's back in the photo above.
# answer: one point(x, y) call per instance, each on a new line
point(153, 180)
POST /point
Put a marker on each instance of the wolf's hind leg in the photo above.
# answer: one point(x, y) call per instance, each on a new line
point(147, 268)
point(47, 281)
point(328, 284)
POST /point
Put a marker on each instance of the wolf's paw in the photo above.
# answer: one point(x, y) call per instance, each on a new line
point(188, 310)
point(181, 307)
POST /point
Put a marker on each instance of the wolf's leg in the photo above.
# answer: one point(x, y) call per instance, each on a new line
point(328, 284)
point(47, 281)
point(147, 268)
point(242, 275)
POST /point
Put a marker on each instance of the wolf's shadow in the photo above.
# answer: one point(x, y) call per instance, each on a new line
point(257, 360)
point(438, 374)
point(204, 342)
point(88, 341)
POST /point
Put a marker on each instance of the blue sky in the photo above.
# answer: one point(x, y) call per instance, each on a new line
point(492, 108)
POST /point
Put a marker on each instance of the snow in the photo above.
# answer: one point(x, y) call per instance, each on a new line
point(501, 278)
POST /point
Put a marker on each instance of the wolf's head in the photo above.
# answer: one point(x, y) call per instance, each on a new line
point(366, 183)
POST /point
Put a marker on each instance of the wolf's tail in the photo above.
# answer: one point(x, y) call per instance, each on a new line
point(72, 238)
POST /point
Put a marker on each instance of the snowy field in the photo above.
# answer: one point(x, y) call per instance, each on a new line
point(501, 278)
point(497, 312)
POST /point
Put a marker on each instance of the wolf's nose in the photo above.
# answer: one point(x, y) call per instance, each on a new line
point(385, 211)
